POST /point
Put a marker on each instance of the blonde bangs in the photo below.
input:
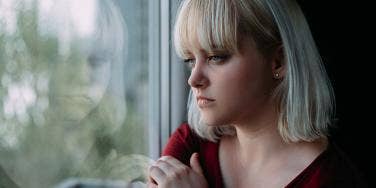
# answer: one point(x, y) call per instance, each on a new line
point(206, 25)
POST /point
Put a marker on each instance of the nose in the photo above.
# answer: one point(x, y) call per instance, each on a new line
point(198, 77)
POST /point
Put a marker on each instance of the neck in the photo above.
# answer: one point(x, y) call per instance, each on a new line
point(261, 145)
point(258, 143)
point(258, 137)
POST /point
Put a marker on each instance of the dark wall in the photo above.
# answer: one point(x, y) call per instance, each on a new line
point(343, 34)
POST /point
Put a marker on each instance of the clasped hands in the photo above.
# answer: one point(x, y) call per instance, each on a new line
point(168, 172)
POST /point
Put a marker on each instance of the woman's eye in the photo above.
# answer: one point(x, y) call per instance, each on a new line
point(216, 59)
point(189, 62)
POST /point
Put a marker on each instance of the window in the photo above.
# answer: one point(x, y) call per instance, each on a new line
point(88, 89)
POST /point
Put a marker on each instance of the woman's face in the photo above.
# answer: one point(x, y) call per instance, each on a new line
point(231, 88)
point(78, 85)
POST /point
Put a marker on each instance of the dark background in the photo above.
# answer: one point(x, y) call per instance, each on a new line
point(342, 31)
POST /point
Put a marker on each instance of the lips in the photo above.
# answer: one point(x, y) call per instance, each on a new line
point(204, 101)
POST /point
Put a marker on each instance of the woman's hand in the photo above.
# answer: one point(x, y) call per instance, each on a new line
point(169, 172)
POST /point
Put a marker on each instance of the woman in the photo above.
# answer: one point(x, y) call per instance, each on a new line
point(261, 102)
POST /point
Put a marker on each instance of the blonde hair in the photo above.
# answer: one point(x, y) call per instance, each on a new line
point(305, 96)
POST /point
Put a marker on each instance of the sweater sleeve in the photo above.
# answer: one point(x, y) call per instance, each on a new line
point(182, 144)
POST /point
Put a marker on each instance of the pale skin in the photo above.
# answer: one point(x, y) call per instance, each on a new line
point(236, 89)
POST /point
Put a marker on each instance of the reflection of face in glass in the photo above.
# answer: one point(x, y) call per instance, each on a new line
point(81, 76)
point(78, 85)
point(59, 64)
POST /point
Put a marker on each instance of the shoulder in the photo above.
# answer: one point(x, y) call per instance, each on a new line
point(183, 131)
point(184, 134)
point(341, 170)
point(182, 143)
point(332, 168)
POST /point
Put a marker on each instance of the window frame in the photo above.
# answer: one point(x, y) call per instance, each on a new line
point(168, 91)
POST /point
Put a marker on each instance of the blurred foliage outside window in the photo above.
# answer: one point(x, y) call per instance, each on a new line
point(73, 91)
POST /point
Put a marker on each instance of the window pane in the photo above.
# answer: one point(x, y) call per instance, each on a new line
point(73, 90)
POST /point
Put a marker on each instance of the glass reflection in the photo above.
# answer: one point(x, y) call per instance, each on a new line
point(62, 91)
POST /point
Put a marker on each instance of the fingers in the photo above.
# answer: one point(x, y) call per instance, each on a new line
point(163, 168)
point(167, 168)
point(171, 166)
point(195, 164)
point(170, 172)
point(151, 185)
point(172, 161)
point(156, 174)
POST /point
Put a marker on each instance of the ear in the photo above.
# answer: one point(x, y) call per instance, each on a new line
point(278, 63)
